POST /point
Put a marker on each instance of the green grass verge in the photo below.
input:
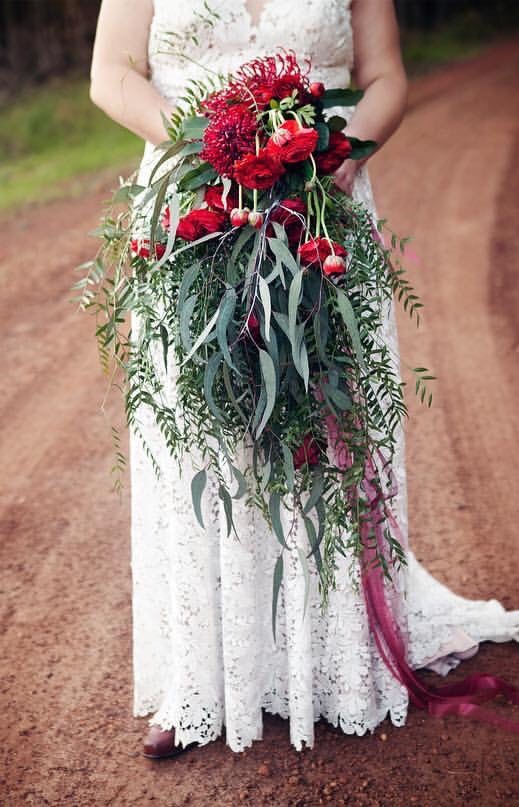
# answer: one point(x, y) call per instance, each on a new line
point(52, 136)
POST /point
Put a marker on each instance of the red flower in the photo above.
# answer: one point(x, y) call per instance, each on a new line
point(292, 142)
point(263, 78)
point(339, 148)
point(166, 219)
point(307, 454)
point(213, 198)
point(317, 89)
point(258, 170)
point(198, 223)
point(141, 247)
point(230, 134)
point(253, 327)
point(316, 250)
point(289, 213)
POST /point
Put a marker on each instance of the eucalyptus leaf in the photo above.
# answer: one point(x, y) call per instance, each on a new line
point(341, 97)
point(288, 464)
point(223, 493)
point(198, 484)
point(275, 517)
point(268, 373)
point(202, 337)
point(267, 306)
point(210, 372)
point(226, 309)
point(348, 315)
point(276, 585)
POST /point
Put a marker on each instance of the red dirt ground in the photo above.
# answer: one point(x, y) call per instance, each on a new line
point(449, 177)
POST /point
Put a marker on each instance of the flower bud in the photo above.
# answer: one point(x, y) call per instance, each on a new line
point(317, 89)
point(256, 219)
point(239, 216)
point(334, 265)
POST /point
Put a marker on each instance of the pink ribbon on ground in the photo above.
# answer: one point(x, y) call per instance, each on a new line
point(463, 698)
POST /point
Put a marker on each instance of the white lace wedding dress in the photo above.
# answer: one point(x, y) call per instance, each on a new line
point(204, 655)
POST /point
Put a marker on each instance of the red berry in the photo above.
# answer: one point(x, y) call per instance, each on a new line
point(334, 265)
point(256, 219)
point(317, 89)
point(239, 216)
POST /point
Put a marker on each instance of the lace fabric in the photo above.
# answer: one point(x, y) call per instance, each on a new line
point(204, 657)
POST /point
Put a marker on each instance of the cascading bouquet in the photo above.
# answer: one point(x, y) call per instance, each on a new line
point(266, 286)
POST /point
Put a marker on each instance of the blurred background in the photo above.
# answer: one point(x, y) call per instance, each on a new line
point(50, 133)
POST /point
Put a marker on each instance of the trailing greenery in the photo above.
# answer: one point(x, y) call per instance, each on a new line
point(320, 357)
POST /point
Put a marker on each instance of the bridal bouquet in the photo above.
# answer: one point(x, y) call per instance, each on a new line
point(265, 287)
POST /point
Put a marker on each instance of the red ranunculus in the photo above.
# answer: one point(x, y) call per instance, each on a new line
point(339, 148)
point(285, 214)
point(258, 170)
point(141, 247)
point(213, 198)
point(308, 453)
point(200, 222)
point(293, 143)
point(316, 250)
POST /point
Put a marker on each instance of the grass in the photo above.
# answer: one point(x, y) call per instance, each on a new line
point(52, 136)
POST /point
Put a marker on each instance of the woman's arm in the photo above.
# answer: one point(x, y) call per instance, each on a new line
point(380, 73)
point(119, 75)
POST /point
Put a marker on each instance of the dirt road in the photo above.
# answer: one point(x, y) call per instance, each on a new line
point(450, 177)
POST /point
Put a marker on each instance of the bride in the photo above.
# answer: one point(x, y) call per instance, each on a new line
point(203, 652)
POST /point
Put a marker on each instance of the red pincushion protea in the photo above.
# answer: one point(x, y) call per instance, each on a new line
point(229, 135)
point(264, 78)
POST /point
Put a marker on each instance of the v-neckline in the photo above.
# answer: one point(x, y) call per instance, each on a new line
point(255, 25)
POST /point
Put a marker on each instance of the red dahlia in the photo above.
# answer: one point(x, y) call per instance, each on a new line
point(229, 135)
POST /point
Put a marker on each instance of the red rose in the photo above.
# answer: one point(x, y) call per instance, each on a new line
point(289, 213)
point(200, 222)
point(316, 250)
point(213, 198)
point(339, 148)
point(292, 142)
point(307, 454)
point(258, 170)
point(141, 247)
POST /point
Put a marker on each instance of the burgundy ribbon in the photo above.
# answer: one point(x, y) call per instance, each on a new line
point(463, 698)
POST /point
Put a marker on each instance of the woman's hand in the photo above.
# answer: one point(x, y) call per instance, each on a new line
point(344, 176)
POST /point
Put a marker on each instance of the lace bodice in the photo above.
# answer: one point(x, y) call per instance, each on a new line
point(319, 30)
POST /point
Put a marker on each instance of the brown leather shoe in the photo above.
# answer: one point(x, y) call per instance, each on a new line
point(159, 744)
